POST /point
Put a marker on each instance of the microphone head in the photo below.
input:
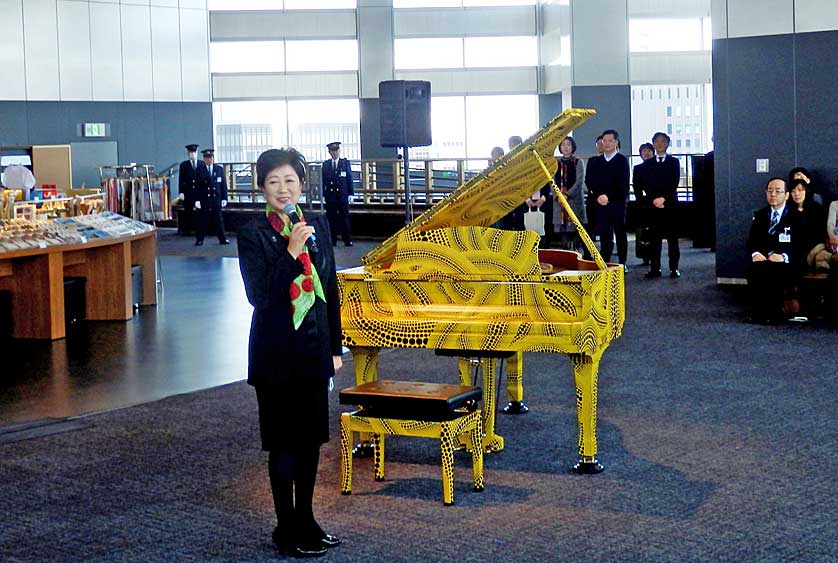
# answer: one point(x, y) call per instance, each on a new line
point(289, 209)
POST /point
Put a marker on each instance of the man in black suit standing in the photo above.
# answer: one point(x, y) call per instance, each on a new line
point(338, 185)
point(187, 178)
point(211, 198)
point(773, 242)
point(662, 175)
point(607, 178)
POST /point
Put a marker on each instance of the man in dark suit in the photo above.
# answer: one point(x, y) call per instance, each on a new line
point(774, 243)
point(187, 177)
point(338, 185)
point(211, 197)
point(662, 175)
point(607, 178)
point(642, 240)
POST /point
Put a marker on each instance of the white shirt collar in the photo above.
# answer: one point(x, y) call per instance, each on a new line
point(779, 210)
point(608, 157)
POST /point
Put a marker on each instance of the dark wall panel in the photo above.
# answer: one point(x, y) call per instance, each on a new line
point(146, 132)
point(613, 107)
point(817, 108)
point(549, 106)
point(14, 129)
point(754, 118)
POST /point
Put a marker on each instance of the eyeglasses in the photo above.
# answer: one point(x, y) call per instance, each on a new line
point(775, 191)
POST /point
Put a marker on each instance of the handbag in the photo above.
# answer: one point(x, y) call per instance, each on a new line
point(534, 221)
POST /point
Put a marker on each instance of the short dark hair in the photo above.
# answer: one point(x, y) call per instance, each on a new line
point(274, 158)
point(572, 142)
point(662, 134)
point(646, 146)
point(797, 169)
point(612, 132)
point(598, 139)
point(776, 178)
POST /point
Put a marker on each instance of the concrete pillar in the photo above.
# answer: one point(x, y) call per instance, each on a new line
point(375, 49)
point(600, 69)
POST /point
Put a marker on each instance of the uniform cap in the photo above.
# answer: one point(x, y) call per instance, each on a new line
point(208, 152)
point(192, 148)
point(333, 146)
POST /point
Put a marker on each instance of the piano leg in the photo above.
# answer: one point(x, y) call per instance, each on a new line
point(585, 371)
point(366, 370)
point(515, 385)
point(491, 441)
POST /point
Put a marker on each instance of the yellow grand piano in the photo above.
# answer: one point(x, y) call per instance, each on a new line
point(447, 281)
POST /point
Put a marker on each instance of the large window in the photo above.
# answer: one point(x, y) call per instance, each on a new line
point(247, 56)
point(669, 34)
point(470, 126)
point(218, 5)
point(459, 3)
point(244, 129)
point(322, 55)
point(501, 51)
point(684, 111)
point(314, 123)
point(471, 52)
point(428, 53)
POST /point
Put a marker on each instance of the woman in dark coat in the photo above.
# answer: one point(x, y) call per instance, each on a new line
point(813, 221)
point(295, 345)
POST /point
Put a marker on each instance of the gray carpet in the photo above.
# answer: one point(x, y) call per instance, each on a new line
point(718, 437)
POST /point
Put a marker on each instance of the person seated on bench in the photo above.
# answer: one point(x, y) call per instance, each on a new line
point(813, 219)
point(824, 256)
point(772, 243)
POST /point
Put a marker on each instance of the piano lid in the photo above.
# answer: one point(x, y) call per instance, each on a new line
point(496, 191)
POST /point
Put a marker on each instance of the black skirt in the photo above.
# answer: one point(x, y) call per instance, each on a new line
point(294, 414)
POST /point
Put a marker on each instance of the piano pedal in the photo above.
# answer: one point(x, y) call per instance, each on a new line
point(362, 450)
point(515, 407)
point(587, 466)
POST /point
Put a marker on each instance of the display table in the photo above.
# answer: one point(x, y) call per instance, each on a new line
point(36, 279)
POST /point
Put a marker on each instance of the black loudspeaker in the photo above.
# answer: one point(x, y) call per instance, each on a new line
point(405, 113)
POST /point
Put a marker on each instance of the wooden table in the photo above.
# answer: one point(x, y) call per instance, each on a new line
point(36, 280)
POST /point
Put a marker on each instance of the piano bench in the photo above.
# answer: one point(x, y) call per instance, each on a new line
point(445, 427)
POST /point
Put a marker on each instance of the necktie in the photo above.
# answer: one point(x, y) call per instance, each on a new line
point(335, 165)
point(660, 159)
point(775, 218)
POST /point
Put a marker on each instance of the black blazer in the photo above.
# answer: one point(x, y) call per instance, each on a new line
point(191, 181)
point(214, 190)
point(608, 177)
point(337, 183)
point(760, 240)
point(661, 179)
point(268, 270)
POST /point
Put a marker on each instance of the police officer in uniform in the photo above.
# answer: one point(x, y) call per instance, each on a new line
point(211, 198)
point(337, 187)
point(190, 171)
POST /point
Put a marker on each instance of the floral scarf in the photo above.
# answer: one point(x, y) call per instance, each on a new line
point(306, 286)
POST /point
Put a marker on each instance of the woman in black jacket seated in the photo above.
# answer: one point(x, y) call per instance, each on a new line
point(295, 345)
point(813, 221)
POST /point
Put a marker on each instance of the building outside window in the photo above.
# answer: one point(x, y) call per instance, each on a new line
point(681, 117)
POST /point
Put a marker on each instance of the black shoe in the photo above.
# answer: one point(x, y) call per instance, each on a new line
point(674, 274)
point(653, 274)
point(225, 241)
point(348, 243)
point(329, 540)
point(199, 243)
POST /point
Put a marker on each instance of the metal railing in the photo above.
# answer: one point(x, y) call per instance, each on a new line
point(380, 183)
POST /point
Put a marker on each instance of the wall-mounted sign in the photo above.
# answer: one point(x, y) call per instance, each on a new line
point(94, 130)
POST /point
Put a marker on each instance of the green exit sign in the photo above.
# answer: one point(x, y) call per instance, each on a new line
point(94, 130)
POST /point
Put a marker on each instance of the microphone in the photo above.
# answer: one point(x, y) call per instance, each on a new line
point(291, 211)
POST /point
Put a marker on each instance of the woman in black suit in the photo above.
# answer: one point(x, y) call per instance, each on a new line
point(295, 345)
